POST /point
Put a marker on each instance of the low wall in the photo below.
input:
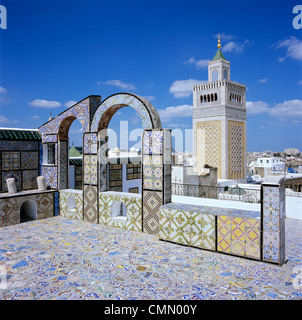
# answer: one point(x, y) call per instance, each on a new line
point(231, 231)
point(110, 200)
point(71, 204)
point(10, 205)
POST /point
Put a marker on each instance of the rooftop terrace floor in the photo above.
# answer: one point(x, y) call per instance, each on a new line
point(60, 258)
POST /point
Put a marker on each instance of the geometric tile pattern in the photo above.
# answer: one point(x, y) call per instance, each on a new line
point(49, 138)
point(90, 204)
point(29, 179)
point(90, 169)
point(11, 174)
point(51, 176)
point(144, 109)
point(57, 203)
point(90, 143)
point(152, 200)
point(236, 149)
point(79, 111)
point(29, 160)
point(10, 160)
point(188, 228)
point(18, 145)
point(273, 225)
point(10, 207)
point(133, 206)
point(153, 142)
point(208, 141)
point(152, 172)
point(63, 164)
point(71, 204)
point(238, 236)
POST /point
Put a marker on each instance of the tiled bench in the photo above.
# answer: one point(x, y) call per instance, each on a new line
point(231, 231)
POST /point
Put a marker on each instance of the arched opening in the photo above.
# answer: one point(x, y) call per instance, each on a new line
point(118, 210)
point(70, 135)
point(71, 204)
point(214, 75)
point(28, 211)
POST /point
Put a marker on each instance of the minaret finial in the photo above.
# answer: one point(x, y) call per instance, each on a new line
point(219, 45)
point(50, 117)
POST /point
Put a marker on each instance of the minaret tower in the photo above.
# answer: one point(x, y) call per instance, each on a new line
point(219, 121)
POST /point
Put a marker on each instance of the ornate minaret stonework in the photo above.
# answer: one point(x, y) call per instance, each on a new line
point(219, 121)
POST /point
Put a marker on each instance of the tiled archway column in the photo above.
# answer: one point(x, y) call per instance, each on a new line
point(156, 176)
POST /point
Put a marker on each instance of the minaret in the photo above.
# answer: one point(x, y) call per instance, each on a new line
point(219, 121)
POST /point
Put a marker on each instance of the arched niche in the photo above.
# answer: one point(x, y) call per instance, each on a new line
point(28, 211)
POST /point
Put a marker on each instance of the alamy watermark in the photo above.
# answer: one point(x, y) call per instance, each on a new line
point(3, 278)
point(3, 17)
point(297, 21)
point(297, 281)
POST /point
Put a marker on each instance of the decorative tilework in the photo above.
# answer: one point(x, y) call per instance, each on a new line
point(273, 224)
point(145, 110)
point(40, 157)
point(63, 164)
point(71, 204)
point(57, 203)
point(11, 174)
point(29, 179)
point(10, 160)
point(90, 143)
point(189, 228)
point(49, 138)
point(238, 236)
point(90, 169)
point(133, 221)
point(10, 207)
point(152, 177)
point(29, 160)
point(152, 200)
point(90, 204)
point(19, 145)
point(51, 176)
point(153, 142)
point(60, 125)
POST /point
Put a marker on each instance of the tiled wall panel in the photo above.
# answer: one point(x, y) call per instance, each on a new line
point(71, 208)
point(132, 202)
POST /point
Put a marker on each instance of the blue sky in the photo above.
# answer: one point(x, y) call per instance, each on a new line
point(54, 53)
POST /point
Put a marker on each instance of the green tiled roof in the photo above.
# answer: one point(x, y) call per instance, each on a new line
point(219, 55)
point(74, 152)
point(11, 134)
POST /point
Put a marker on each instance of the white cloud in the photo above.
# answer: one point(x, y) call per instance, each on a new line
point(293, 48)
point(224, 36)
point(3, 90)
point(235, 46)
point(256, 107)
point(35, 117)
point(175, 112)
point(149, 98)
point(264, 80)
point(199, 64)
point(4, 120)
point(183, 88)
point(119, 84)
point(287, 109)
point(282, 111)
point(69, 103)
point(300, 82)
point(40, 103)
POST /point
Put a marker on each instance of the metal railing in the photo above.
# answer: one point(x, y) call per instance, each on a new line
point(214, 192)
point(223, 193)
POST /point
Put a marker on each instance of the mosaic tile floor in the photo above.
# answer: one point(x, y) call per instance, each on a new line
point(61, 258)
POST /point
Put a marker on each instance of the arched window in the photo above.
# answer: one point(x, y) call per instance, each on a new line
point(212, 97)
point(215, 97)
point(208, 98)
point(214, 75)
point(205, 98)
point(225, 75)
point(201, 99)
